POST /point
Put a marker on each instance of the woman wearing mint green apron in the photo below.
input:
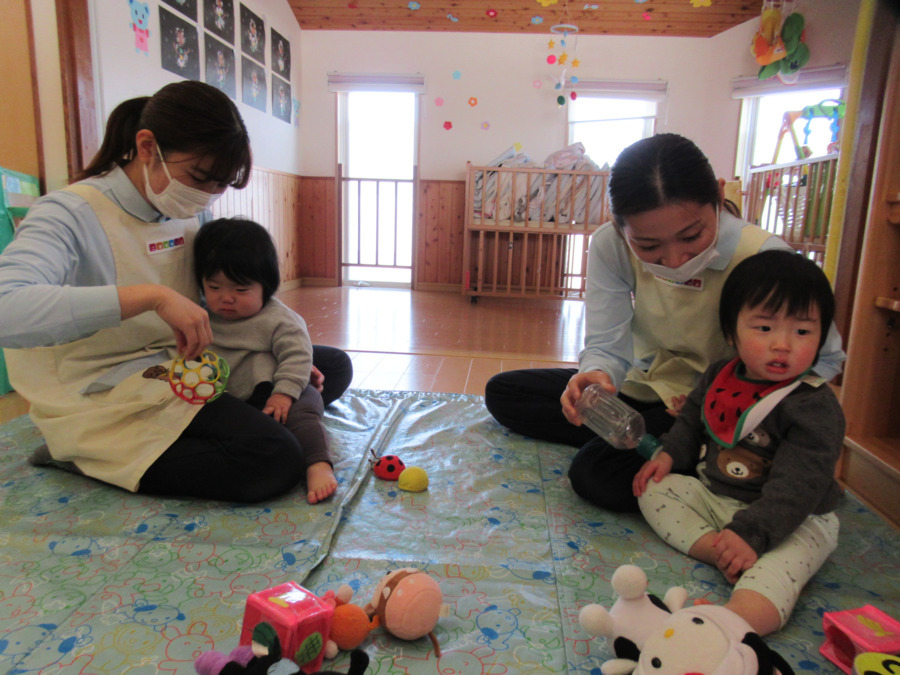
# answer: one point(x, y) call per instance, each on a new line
point(97, 294)
point(654, 278)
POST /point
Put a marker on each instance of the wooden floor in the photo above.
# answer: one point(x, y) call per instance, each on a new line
point(428, 341)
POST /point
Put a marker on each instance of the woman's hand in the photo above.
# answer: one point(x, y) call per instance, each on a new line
point(317, 379)
point(278, 406)
point(657, 468)
point(188, 320)
point(577, 384)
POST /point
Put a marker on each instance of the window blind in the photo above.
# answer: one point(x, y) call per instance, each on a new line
point(340, 82)
point(647, 90)
point(826, 77)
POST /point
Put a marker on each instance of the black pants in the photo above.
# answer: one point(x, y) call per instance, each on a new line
point(232, 452)
point(528, 402)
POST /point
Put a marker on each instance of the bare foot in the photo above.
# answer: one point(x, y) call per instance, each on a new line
point(320, 482)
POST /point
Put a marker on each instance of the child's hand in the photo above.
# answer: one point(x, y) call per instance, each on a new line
point(734, 555)
point(317, 379)
point(277, 406)
point(657, 468)
point(676, 404)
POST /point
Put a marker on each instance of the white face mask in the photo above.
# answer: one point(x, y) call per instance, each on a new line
point(688, 270)
point(177, 200)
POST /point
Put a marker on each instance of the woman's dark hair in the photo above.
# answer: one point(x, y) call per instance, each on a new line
point(661, 170)
point(189, 116)
point(774, 279)
point(241, 249)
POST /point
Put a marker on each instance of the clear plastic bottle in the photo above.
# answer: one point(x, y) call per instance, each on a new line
point(615, 421)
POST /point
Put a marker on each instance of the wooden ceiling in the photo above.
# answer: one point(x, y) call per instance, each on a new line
point(675, 18)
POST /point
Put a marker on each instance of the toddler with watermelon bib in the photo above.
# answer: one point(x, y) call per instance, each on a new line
point(764, 435)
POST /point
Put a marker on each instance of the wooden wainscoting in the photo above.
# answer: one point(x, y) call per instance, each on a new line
point(300, 212)
point(439, 242)
point(272, 199)
point(319, 233)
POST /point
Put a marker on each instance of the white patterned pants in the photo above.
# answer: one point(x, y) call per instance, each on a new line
point(681, 510)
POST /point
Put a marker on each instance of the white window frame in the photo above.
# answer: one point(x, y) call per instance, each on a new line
point(641, 90)
point(750, 89)
point(342, 84)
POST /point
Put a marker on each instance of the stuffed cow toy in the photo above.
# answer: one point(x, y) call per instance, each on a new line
point(632, 618)
point(708, 639)
point(650, 636)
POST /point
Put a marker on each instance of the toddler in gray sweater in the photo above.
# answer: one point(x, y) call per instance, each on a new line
point(265, 343)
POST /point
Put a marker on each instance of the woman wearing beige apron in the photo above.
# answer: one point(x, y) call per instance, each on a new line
point(97, 295)
point(654, 278)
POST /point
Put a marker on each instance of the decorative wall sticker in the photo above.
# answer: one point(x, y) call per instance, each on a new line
point(140, 24)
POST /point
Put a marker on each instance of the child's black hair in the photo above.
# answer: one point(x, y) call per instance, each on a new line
point(241, 249)
point(774, 279)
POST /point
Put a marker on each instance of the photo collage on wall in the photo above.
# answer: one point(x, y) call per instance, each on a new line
point(227, 26)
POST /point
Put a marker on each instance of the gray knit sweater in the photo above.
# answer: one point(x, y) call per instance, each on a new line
point(785, 467)
point(271, 346)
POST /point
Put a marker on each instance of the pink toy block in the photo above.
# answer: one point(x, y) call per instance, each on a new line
point(302, 621)
point(856, 631)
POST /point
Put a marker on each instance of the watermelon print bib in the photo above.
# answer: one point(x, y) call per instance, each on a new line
point(732, 401)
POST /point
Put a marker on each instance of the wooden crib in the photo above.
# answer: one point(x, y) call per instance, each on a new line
point(527, 230)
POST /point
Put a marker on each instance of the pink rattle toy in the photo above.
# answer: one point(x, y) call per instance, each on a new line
point(204, 381)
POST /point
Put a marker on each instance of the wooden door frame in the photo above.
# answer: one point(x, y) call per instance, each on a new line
point(872, 95)
point(77, 75)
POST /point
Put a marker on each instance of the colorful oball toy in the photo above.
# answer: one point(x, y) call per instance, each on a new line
point(413, 479)
point(201, 380)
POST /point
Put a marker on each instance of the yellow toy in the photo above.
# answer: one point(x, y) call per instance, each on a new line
point(202, 382)
point(413, 479)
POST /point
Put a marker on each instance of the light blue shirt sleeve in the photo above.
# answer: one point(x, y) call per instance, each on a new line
point(608, 344)
point(58, 276)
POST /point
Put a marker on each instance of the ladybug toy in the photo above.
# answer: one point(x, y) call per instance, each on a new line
point(388, 467)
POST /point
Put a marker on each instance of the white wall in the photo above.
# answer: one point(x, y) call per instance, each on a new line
point(500, 69)
point(122, 72)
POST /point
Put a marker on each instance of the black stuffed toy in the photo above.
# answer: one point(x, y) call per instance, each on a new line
point(263, 657)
